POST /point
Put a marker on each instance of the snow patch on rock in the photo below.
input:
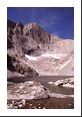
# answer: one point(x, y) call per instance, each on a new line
point(55, 56)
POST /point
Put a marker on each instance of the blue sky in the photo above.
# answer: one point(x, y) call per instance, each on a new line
point(55, 20)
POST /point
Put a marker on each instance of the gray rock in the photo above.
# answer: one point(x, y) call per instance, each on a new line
point(28, 90)
point(64, 83)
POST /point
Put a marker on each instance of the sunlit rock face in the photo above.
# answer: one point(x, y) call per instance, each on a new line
point(47, 54)
point(53, 57)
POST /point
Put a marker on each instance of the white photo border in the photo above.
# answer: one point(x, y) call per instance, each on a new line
point(3, 57)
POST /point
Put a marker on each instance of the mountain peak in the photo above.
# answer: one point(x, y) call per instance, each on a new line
point(33, 25)
point(36, 32)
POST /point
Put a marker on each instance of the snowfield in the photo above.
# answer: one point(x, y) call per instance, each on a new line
point(31, 57)
point(55, 56)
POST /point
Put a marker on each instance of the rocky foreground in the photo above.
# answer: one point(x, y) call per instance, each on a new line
point(20, 93)
point(49, 103)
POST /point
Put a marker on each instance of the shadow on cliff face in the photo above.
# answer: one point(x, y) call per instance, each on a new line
point(9, 63)
point(15, 64)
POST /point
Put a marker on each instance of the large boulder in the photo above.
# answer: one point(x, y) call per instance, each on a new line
point(64, 83)
point(28, 90)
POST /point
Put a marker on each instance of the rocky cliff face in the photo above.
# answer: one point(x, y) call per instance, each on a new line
point(16, 62)
point(50, 55)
